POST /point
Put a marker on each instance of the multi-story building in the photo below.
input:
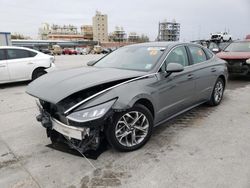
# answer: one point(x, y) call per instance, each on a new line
point(87, 32)
point(168, 31)
point(133, 37)
point(118, 35)
point(100, 27)
point(44, 30)
point(57, 32)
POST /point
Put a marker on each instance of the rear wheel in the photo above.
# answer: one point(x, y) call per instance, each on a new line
point(37, 73)
point(218, 92)
point(131, 129)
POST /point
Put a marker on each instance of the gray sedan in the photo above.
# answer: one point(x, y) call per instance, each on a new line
point(122, 96)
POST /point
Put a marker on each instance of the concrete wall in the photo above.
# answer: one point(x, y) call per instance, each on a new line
point(5, 39)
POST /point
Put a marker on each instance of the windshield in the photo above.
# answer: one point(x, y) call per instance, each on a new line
point(140, 58)
point(238, 47)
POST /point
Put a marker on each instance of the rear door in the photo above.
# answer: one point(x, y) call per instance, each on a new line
point(20, 63)
point(4, 72)
point(205, 71)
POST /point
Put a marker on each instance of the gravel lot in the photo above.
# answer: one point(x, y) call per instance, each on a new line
point(206, 147)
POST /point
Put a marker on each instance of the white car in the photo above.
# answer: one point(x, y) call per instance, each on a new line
point(20, 64)
point(221, 37)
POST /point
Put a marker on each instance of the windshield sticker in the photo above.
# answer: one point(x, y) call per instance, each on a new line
point(148, 66)
point(153, 51)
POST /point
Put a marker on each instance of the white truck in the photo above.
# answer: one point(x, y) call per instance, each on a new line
point(221, 37)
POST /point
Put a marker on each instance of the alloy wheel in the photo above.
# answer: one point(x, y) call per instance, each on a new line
point(218, 91)
point(132, 128)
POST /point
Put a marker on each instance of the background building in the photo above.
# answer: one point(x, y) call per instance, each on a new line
point(118, 35)
point(100, 27)
point(5, 39)
point(168, 31)
point(87, 32)
point(57, 32)
point(44, 30)
point(133, 37)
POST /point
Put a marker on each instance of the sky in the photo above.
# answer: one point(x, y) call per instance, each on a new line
point(198, 18)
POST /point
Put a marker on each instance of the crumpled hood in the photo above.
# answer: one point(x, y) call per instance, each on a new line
point(233, 55)
point(55, 86)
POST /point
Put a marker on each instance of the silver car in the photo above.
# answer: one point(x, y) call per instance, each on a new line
point(122, 96)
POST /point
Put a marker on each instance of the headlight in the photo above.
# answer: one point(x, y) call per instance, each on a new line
point(248, 61)
point(91, 113)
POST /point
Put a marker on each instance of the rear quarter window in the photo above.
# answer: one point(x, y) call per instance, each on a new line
point(32, 54)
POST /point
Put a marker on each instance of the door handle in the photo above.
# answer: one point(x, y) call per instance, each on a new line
point(1, 66)
point(190, 76)
point(30, 63)
point(213, 69)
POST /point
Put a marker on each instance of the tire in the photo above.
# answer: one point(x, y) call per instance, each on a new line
point(54, 136)
point(37, 73)
point(142, 128)
point(218, 92)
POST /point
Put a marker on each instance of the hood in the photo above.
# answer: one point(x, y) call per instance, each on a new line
point(233, 55)
point(55, 86)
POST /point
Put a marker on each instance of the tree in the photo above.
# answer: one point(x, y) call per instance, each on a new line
point(143, 38)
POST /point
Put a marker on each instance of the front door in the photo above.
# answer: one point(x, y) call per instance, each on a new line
point(176, 92)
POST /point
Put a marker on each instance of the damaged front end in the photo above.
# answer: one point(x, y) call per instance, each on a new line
point(82, 130)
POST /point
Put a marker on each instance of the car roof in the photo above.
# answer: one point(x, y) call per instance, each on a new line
point(156, 44)
point(21, 48)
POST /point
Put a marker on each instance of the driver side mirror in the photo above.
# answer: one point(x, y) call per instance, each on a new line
point(91, 63)
point(174, 67)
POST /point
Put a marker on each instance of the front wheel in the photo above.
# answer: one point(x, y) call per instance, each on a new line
point(131, 129)
point(218, 92)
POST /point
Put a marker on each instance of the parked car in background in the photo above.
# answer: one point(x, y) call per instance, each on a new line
point(222, 37)
point(106, 50)
point(248, 37)
point(237, 55)
point(141, 86)
point(81, 51)
point(56, 50)
point(45, 51)
point(19, 64)
point(214, 46)
point(69, 51)
point(96, 50)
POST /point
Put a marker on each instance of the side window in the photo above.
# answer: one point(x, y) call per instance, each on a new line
point(209, 54)
point(17, 53)
point(178, 55)
point(2, 55)
point(198, 55)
